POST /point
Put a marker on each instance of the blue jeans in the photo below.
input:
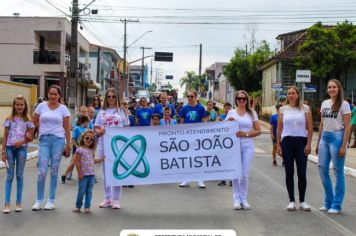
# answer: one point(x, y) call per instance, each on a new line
point(51, 149)
point(329, 148)
point(85, 188)
point(15, 156)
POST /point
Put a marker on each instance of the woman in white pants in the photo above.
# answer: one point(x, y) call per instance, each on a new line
point(248, 128)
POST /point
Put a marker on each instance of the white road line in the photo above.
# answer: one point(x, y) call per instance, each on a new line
point(315, 211)
point(258, 150)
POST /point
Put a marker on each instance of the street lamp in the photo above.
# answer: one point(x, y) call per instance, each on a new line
point(149, 31)
point(125, 51)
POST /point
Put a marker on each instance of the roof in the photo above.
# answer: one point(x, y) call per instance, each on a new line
point(94, 47)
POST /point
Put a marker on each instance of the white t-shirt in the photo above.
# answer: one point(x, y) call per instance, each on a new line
point(245, 122)
point(51, 121)
point(294, 121)
point(111, 117)
point(332, 121)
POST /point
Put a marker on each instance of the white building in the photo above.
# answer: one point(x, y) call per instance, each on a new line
point(36, 50)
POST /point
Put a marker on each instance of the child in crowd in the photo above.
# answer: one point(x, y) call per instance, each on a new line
point(17, 134)
point(167, 120)
point(82, 125)
point(155, 120)
point(84, 161)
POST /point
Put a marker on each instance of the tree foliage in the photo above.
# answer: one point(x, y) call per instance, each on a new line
point(190, 81)
point(328, 51)
point(242, 70)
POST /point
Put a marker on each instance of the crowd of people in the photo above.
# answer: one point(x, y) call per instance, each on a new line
point(291, 134)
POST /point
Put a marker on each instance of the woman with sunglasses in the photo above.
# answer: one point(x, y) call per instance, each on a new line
point(249, 128)
point(294, 135)
point(193, 112)
point(110, 115)
point(52, 118)
point(334, 131)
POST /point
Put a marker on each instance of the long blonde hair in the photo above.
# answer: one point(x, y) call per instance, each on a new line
point(24, 114)
point(248, 108)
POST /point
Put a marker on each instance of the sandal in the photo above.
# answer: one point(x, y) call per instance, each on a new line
point(76, 210)
point(87, 210)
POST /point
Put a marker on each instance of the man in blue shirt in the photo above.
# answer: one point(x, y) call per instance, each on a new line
point(193, 112)
point(227, 108)
point(158, 109)
point(144, 113)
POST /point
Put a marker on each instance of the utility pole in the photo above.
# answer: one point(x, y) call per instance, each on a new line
point(200, 58)
point(143, 67)
point(152, 73)
point(125, 76)
point(72, 98)
point(72, 85)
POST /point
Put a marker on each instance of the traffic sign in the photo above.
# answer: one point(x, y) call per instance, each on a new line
point(303, 76)
point(163, 56)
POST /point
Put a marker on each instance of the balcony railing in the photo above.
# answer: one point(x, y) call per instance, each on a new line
point(46, 57)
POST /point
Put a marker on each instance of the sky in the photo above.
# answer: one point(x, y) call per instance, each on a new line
point(179, 26)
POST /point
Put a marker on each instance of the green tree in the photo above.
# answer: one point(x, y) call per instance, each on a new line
point(242, 70)
point(190, 81)
point(153, 87)
point(329, 52)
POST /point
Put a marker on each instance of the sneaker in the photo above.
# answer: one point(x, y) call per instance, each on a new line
point(49, 206)
point(323, 208)
point(245, 205)
point(291, 206)
point(304, 206)
point(333, 211)
point(105, 204)
point(222, 183)
point(184, 184)
point(237, 205)
point(63, 178)
point(18, 208)
point(6, 210)
point(115, 204)
point(274, 163)
point(201, 184)
point(37, 206)
point(69, 177)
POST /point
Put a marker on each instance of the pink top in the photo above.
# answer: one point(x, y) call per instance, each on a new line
point(86, 161)
point(17, 130)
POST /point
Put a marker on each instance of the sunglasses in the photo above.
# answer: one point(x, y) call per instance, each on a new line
point(241, 99)
point(191, 96)
point(113, 96)
point(89, 139)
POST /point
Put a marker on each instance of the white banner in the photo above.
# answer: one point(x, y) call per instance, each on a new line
point(171, 154)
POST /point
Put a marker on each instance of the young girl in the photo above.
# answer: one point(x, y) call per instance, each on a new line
point(18, 129)
point(82, 125)
point(167, 120)
point(84, 161)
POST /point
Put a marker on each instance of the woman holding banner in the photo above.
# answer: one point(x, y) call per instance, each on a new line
point(249, 128)
point(193, 112)
point(110, 115)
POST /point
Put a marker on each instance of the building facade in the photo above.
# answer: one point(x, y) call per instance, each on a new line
point(36, 50)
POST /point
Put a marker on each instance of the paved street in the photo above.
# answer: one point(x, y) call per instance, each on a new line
point(171, 207)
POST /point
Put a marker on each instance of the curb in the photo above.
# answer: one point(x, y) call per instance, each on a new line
point(347, 170)
point(30, 156)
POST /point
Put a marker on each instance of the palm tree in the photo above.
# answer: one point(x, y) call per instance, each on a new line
point(190, 81)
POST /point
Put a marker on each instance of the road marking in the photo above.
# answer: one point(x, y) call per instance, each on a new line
point(258, 150)
point(315, 211)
